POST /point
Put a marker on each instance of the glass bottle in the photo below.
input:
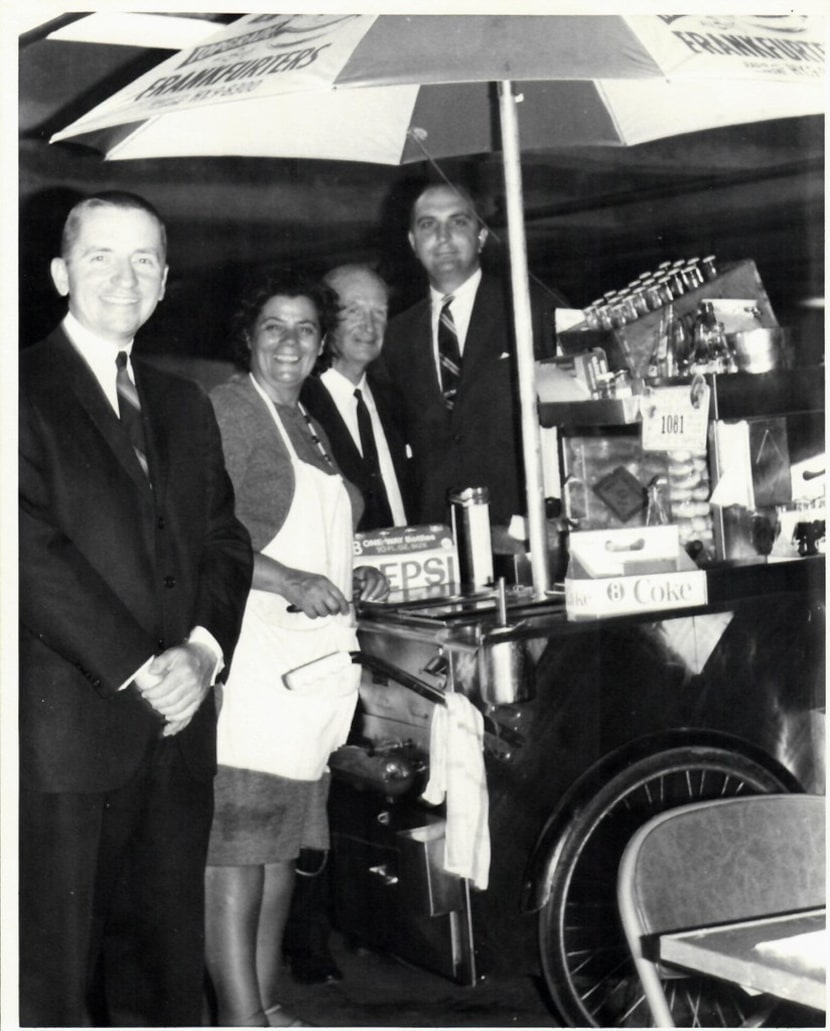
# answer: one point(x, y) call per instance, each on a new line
point(629, 310)
point(656, 513)
point(710, 270)
point(692, 273)
point(678, 284)
point(604, 316)
point(711, 351)
point(654, 298)
point(638, 299)
point(680, 346)
point(664, 287)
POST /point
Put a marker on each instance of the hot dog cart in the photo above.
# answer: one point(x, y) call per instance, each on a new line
point(591, 723)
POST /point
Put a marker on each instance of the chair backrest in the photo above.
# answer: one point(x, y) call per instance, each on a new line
point(715, 862)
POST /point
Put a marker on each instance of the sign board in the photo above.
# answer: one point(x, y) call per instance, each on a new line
point(410, 556)
point(624, 572)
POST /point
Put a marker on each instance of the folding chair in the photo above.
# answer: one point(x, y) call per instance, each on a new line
point(717, 862)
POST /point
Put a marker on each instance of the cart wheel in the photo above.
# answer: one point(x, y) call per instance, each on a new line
point(587, 967)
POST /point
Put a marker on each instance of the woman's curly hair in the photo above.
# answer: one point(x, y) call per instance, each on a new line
point(274, 282)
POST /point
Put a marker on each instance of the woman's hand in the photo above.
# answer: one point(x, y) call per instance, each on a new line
point(313, 594)
point(369, 584)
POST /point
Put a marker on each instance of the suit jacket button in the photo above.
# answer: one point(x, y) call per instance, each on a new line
point(161, 522)
point(169, 581)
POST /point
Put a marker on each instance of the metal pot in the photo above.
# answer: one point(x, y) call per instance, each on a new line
point(509, 672)
point(760, 350)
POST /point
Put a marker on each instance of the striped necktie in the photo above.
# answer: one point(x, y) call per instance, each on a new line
point(129, 411)
point(377, 513)
point(449, 354)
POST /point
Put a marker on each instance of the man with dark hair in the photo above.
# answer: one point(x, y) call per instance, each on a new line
point(134, 573)
point(452, 358)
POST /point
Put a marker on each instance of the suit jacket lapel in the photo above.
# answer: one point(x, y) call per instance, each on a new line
point(423, 355)
point(155, 428)
point(478, 347)
point(81, 380)
point(483, 335)
point(348, 457)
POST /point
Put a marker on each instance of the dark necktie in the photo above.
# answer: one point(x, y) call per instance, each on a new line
point(377, 513)
point(129, 410)
point(449, 354)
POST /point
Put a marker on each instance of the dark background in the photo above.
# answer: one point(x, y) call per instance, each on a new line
point(595, 218)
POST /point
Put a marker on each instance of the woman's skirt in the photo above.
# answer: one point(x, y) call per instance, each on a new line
point(262, 818)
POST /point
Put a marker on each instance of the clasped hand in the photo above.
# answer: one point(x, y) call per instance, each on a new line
point(176, 682)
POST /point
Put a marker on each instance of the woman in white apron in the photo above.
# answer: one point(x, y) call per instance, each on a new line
point(273, 740)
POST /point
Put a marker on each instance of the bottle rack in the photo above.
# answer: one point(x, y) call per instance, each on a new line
point(630, 347)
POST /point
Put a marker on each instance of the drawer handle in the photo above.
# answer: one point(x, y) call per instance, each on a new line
point(382, 872)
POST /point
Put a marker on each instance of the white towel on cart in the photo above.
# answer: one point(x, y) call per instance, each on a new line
point(456, 770)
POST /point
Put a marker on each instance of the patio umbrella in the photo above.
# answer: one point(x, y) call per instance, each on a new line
point(586, 80)
point(393, 89)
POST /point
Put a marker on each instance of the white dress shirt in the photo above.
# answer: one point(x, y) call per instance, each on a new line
point(464, 297)
point(99, 354)
point(342, 392)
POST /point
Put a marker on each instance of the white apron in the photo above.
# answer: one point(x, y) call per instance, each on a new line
point(262, 724)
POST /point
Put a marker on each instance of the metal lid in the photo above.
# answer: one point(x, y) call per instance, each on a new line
point(470, 496)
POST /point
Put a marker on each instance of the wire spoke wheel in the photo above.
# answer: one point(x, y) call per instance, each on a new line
point(587, 966)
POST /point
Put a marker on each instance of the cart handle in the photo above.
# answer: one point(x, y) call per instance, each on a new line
point(432, 694)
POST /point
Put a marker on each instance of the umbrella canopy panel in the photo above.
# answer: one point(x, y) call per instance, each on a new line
point(406, 123)
point(441, 48)
point(272, 55)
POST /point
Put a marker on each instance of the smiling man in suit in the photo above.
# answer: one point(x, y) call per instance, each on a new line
point(452, 358)
point(371, 454)
point(133, 577)
point(359, 416)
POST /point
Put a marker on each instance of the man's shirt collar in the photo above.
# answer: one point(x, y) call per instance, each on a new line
point(464, 293)
point(88, 342)
point(335, 380)
point(99, 354)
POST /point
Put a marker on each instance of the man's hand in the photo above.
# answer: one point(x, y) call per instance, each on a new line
point(176, 682)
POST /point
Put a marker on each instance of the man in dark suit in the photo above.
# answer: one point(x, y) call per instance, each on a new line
point(379, 467)
point(461, 413)
point(133, 577)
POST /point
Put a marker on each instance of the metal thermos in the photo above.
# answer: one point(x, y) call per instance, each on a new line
point(471, 528)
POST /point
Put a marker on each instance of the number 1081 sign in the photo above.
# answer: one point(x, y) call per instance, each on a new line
point(671, 421)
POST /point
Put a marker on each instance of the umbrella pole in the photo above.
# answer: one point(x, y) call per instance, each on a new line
point(523, 324)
